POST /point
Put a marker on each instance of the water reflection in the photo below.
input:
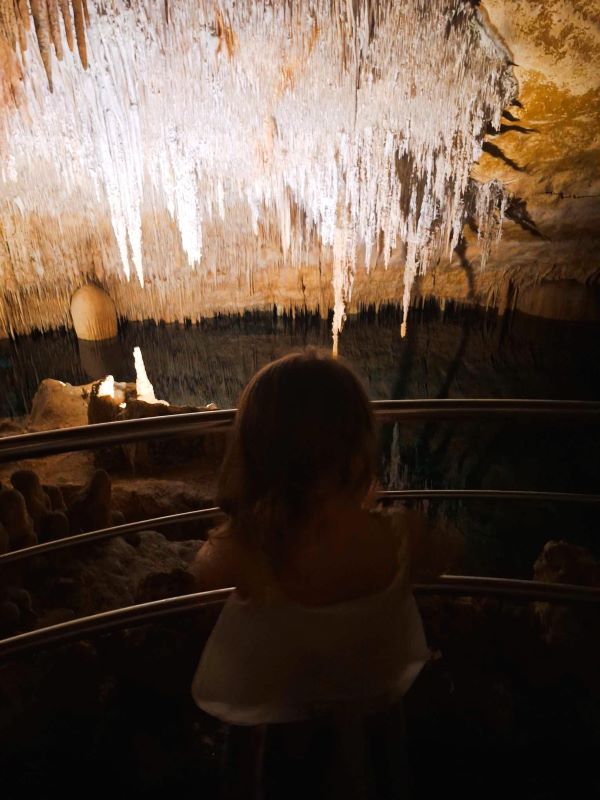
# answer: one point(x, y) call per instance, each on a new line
point(197, 364)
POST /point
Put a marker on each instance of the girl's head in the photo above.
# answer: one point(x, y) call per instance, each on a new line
point(303, 437)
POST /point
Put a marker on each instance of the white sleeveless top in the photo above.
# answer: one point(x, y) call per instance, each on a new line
point(284, 662)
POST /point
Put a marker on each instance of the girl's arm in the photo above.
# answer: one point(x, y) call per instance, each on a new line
point(217, 564)
point(431, 549)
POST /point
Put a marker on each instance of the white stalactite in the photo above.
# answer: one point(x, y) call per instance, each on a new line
point(353, 125)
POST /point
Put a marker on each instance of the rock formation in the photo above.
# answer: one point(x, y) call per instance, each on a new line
point(57, 501)
point(53, 525)
point(564, 562)
point(91, 510)
point(16, 520)
point(94, 314)
point(572, 627)
point(545, 152)
point(37, 501)
point(58, 405)
point(4, 540)
point(124, 402)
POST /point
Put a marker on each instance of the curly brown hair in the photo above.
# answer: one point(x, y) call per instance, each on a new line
point(304, 433)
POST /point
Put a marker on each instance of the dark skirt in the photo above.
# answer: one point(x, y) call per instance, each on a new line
point(343, 756)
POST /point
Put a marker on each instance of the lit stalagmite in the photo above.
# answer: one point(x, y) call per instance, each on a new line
point(209, 144)
point(144, 389)
point(93, 313)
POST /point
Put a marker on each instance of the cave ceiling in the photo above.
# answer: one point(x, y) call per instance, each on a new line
point(201, 157)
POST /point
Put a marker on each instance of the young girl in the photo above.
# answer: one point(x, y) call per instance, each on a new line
point(322, 638)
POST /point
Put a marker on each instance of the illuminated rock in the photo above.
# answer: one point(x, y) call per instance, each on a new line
point(58, 405)
point(94, 314)
point(107, 387)
point(546, 153)
point(144, 389)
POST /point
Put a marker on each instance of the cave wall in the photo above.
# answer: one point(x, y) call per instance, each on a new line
point(549, 159)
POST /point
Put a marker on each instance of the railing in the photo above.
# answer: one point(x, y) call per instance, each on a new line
point(143, 613)
point(35, 445)
point(45, 443)
point(143, 526)
point(205, 514)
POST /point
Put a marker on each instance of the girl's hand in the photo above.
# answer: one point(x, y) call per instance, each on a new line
point(370, 500)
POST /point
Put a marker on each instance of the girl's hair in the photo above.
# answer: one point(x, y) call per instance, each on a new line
point(304, 433)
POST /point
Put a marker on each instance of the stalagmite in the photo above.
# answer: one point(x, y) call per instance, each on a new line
point(94, 314)
point(143, 387)
point(107, 387)
point(203, 146)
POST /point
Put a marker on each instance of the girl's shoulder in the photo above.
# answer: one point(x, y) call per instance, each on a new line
point(405, 531)
point(395, 527)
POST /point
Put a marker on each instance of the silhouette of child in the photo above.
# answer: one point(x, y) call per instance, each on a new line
point(313, 652)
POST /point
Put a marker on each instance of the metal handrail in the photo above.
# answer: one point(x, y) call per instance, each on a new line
point(403, 495)
point(143, 526)
point(110, 620)
point(514, 588)
point(487, 494)
point(481, 408)
point(103, 434)
point(45, 443)
point(452, 585)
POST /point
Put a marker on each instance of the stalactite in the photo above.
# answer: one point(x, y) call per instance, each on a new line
point(24, 14)
point(8, 23)
point(55, 32)
point(79, 17)
point(273, 134)
point(15, 24)
point(67, 22)
point(39, 12)
point(490, 205)
point(22, 17)
point(11, 74)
